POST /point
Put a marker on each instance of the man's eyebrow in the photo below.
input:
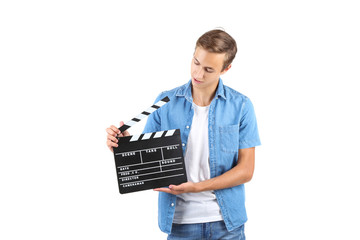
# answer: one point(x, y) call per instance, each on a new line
point(205, 67)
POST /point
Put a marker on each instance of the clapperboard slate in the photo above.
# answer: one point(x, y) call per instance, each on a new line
point(149, 160)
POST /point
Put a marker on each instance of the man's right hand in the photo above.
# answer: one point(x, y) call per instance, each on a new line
point(112, 133)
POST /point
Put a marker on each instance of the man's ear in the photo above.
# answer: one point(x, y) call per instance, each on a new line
point(225, 70)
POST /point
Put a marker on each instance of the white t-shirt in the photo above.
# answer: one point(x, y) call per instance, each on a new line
point(197, 207)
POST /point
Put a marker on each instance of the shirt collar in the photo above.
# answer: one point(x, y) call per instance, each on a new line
point(185, 91)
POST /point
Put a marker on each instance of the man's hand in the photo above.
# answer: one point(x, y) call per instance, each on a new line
point(112, 133)
point(178, 189)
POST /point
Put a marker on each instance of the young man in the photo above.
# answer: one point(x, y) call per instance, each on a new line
point(219, 134)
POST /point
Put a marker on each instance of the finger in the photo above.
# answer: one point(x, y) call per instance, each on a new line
point(111, 144)
point(176, 188)
point(115, 129)
point(111, 132)
point(162, 190)
point(112, 138)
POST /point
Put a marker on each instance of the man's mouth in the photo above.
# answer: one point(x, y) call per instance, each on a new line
point(196, 81)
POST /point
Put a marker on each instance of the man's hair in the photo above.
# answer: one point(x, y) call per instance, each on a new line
point(218, 41)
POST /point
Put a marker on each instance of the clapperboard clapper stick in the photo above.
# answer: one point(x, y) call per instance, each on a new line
point(144, 114)
point(149, 160)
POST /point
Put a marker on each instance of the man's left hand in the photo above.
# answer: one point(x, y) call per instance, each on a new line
point(178, 189)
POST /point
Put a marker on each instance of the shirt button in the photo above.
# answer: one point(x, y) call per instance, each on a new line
point(172, 204)
point(183, 144)
point(187, 126)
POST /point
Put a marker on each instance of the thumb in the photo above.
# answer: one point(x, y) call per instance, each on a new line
point(176, 188)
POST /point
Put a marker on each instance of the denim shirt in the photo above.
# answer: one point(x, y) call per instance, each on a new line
point(232, 126)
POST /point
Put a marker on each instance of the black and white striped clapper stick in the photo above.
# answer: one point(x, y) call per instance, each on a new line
point(144, 114)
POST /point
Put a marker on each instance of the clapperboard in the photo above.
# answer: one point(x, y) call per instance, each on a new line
point(149, 160)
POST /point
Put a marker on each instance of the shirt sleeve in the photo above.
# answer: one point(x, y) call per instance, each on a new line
point(248, 130)
point(153, 123)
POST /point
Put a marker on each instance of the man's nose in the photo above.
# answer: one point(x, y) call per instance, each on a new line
point(199, 73)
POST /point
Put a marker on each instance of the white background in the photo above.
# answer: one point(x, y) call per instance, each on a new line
point(70, 69)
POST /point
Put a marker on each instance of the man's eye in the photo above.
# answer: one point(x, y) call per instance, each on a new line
point(208, 70)
point(196, 63)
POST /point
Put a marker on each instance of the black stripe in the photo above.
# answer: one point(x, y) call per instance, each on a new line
point(152, 136)
point(141, 136)
point(123, 128)
point(146, 113)
point(136, 119)
point(165, 99)
point(154, 106)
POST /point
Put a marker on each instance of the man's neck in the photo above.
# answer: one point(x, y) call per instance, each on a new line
point(203, 97)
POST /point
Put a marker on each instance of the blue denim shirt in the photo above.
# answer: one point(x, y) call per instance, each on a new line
point(232, 126)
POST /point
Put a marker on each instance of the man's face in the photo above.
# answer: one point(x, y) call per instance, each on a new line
point(206, 68)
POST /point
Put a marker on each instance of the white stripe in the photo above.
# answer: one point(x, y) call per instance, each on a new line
point(170, 133)
point(150, 110)
point(158, 134)
point(146, 136)
point(134, 138)
point(160, 103)
point(130, 123)
point(141, 116)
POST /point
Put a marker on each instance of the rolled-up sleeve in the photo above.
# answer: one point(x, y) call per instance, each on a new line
point(248, 130)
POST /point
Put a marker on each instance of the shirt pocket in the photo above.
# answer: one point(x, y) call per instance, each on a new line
point(229, 138)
